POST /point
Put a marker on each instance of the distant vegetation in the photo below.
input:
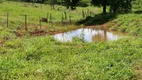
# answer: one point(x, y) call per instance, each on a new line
point(118, 6)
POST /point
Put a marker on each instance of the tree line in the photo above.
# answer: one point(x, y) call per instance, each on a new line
point(116, 6)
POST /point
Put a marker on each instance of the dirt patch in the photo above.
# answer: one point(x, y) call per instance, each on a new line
point(137, 71)
point(35, 30)
point(2, 42)
point(138, 75)
point(19, 32)
point(56, 32)
point(103, 26)
point(53, 32)
point(38, 33)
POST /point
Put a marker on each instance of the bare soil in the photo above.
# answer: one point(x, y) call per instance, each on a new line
point(38, 33)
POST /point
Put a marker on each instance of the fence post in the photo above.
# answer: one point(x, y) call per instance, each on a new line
point(70, 19)
point(40, 22)
point(41, 5)
point(65, 15)
point(88, 12)
point(83, 14)
point(51, 21)
point(47, 17)
point(62, 19)
point(7, 18)
point(50, 17)
point(26, 28)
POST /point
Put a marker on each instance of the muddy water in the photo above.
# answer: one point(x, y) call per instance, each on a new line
point(89, 35)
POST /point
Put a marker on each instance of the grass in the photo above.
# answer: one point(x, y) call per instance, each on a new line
point(16, 11)
point(132, 20)
point(44, 58)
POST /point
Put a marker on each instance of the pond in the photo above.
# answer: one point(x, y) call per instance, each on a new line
point(89, 35)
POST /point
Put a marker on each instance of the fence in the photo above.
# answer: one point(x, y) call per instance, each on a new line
point(24, 20)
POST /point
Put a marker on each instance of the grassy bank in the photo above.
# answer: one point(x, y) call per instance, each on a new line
point(130, 23)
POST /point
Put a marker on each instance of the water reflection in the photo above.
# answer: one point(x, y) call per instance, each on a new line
point(89, 35)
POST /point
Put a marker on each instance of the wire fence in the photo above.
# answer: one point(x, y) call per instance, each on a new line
point(9, 19)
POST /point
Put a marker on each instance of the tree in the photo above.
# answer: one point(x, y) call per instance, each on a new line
point(120, 6)
point(103, 3)
point(116, 6)
point(104, 6)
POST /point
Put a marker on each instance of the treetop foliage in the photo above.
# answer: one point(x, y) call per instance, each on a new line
point(116, 6)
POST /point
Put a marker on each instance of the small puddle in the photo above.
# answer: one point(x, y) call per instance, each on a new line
point(89, 35)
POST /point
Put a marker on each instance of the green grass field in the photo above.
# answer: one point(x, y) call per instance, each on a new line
point(34, 12)
point(44, 58)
